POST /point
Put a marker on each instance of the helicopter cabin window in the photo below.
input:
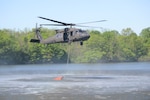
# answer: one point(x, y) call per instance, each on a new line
point(80, 30)
point(71, 33)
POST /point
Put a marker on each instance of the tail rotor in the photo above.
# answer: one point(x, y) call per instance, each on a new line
point(37, 35)
point(38, 31)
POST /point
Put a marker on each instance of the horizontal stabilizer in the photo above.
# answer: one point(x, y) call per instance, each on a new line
point(35, 40)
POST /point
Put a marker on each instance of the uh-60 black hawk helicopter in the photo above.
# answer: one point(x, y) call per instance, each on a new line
point(66, 35)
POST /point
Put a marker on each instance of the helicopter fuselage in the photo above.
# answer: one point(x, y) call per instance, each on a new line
point(72, 35)
point(66, 35)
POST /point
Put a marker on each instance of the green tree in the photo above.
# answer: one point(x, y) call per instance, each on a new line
point(110, 46)
point(145, 34)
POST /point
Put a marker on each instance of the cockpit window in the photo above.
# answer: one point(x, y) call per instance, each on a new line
point(80, 30)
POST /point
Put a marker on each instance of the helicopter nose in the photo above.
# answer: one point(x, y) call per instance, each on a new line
point(87, 36)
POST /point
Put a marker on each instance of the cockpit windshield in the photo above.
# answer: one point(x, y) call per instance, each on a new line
point(82, 31)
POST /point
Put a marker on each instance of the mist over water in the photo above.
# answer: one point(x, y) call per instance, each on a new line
point(85, 79)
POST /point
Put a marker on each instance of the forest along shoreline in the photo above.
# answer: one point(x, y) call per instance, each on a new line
point(107, 46)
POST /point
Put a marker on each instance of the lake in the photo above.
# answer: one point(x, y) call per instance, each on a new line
point(106, 81)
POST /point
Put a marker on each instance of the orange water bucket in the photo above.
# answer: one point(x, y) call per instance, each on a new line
point(58, 78)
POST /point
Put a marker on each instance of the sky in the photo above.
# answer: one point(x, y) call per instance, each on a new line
point(120, 14)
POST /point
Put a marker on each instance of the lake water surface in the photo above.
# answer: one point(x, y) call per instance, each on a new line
point(108, 81)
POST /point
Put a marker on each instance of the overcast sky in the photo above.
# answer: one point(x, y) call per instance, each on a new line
point(21, 14)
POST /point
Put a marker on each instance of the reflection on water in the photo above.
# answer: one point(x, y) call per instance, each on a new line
point(78, 79)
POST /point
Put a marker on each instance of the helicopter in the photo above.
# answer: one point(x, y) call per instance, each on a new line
point(66, 35)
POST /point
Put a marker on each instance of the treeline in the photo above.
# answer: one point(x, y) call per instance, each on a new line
point(107, 46)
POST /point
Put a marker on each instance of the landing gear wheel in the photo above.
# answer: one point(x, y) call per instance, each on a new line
point(81, 43)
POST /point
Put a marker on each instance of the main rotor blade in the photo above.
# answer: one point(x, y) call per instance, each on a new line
point(51, 25)
point(65, 24)
point(93, 22)
point(88, 26)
